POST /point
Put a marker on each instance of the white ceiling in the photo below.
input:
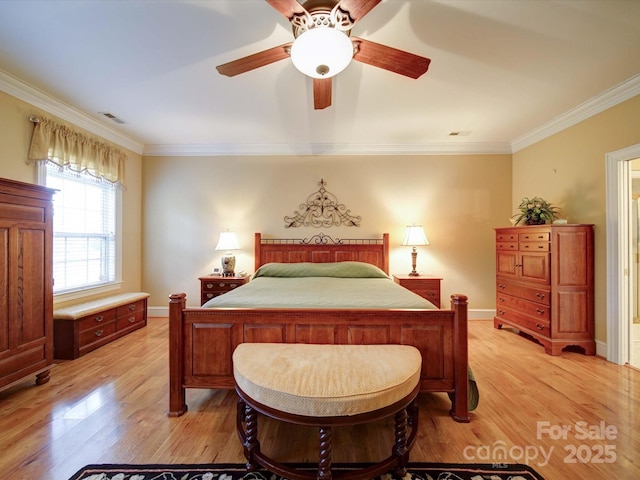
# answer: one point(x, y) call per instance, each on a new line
point(502, 70)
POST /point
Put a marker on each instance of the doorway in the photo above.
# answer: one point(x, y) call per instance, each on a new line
point(622, 284)
point(634, 334)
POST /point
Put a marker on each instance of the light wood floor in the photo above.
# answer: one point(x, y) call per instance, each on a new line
point(110, 407)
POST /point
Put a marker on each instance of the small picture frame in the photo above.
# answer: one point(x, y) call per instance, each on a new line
point(216, 271)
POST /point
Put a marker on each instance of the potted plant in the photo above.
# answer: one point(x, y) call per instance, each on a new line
point(535, 211)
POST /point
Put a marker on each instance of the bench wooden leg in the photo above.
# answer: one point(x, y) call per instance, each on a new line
point(249, 435)
point(324, 462)
point(400, 449)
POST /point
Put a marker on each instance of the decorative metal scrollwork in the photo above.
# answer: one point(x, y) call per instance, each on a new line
point(321, 239)
point(322, 210)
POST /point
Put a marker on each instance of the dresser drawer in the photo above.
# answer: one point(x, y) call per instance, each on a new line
point(535, 246)
point(95, 321)
point(507, 245)
point(518, 319)
point(534, 237)
point(534, 294)
point(506, 237)
point(533, 309)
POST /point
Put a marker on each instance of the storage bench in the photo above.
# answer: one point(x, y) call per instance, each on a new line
point(79, 329)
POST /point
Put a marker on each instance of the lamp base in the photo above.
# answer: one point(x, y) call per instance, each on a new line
point(414, 258)
point(228, 265)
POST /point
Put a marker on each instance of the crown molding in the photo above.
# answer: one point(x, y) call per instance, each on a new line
point(605, 100)
point(22, 91)
point(452, 148)
point(609, 98)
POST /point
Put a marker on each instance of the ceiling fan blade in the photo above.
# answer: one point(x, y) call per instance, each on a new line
point(322, 93)
point(254, 61)
point(288, 8)
point(389, 58)
point(358, 8)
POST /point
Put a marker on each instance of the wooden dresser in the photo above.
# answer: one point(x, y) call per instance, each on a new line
point(26, 282)
point(544, 284)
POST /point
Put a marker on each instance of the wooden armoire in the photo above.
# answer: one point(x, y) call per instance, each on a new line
point(544, 284)
point(26, 282)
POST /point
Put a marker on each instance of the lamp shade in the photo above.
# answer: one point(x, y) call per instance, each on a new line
point(228, 241)
point(415, 236)
point(321, 52)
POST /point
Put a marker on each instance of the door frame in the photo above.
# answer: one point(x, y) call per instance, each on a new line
point(618, 182)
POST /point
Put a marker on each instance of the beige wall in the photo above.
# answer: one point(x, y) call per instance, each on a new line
point(568, 170)
point(15, 137)
point(459, 199)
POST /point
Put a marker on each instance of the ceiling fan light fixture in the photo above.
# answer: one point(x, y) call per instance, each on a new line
point(322, 52)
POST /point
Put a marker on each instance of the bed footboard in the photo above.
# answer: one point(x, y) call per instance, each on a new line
point(202, 340)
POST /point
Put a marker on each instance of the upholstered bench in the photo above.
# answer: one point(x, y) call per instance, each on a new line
point(326, 386)
point(83, 327)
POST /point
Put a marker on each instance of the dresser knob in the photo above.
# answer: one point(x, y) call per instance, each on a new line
point(539, 311)
point(209, 285)
point(539, 327)
point(132, 319)
point(540, 295)
point(99, 318)
point(99, 333)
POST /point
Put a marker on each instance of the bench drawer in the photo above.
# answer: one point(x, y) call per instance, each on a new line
point(96, 320)
point(98, 333)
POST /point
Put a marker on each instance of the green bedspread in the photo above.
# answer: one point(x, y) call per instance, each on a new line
point(320, 292)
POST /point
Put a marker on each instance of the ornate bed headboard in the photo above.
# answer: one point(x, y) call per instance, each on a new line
point(322, 248)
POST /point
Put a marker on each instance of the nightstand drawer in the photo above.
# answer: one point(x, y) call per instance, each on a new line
point(426, 287)
point(222, 286)
point(214, 285)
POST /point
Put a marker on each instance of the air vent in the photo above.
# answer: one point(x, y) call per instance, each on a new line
point(112, 117)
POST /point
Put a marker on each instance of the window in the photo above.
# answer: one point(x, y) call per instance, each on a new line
point(85, 230)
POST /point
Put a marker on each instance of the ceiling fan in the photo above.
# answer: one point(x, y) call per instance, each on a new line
point(323, 45)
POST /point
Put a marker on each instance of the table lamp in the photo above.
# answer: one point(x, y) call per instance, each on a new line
point(414, 236)
point(228, 242)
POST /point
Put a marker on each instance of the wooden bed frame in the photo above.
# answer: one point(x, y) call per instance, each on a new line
point(202, 340)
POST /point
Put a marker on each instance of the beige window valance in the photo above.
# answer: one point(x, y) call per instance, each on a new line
point(67, 148)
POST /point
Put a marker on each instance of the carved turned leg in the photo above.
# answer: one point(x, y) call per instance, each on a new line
point(400, 449)
point(251, 443)
point(413, 412)
point(42, 377)
point(324, 462)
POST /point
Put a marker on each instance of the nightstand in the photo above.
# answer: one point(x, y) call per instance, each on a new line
point(426, 286)
point(214, 285)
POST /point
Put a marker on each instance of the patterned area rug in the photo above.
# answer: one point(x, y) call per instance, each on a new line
point(417, 471)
